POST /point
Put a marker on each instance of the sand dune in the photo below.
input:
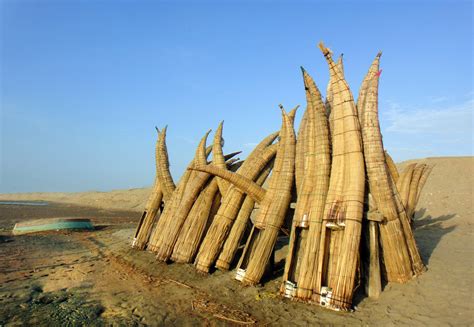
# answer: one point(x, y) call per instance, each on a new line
point(133, 199)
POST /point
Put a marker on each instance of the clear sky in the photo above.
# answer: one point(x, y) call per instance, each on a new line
point(83, 83)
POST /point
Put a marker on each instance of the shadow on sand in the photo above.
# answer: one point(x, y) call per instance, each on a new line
point(429, 231)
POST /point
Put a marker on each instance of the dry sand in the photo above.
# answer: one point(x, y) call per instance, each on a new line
point(129, 200)
point(94, 278)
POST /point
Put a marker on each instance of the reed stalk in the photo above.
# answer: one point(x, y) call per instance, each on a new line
point(149, 217)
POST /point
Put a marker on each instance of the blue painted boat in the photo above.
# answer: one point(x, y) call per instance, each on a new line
point(52, 224)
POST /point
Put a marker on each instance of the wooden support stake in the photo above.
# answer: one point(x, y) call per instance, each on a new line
point(374, 283)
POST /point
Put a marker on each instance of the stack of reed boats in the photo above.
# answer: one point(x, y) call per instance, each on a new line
point(349, 209)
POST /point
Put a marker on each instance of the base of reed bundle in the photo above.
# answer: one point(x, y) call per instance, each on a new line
point(138, 245)
point(290, 291)
point(240, 276)
point(162, 257)
point(202, 269)
point(180, 258)
point(222, 265)
point(152, 248)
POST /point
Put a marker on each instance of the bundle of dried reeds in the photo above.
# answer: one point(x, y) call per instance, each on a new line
point(194, 227)
point(344, 202)
point(161, 241)
point(240, 224)
point(421, 183)
point(329, 93)
point(394, 244)
point(392, 168)
point(151, 212)
point(218, 157)
point(273, 207)
point(194, 187)
point(306, 228)
point(197, 222)
point(274, 202)
point(163, 167)
point(231, 203)
point(410, 184)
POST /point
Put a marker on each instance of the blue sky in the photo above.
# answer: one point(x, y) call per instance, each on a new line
point(83, 83)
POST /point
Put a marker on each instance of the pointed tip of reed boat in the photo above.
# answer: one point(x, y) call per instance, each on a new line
point(282, 109)
point(326, 51)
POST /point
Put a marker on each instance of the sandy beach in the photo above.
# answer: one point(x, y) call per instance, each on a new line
point(94, 278)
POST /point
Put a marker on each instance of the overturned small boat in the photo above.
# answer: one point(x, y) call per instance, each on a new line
point(52, 224)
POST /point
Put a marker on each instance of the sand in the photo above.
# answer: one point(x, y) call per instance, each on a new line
point(95, 278)
point(129, 200)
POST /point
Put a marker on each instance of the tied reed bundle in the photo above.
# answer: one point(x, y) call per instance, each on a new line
point(394, 244)
point(168, 226)
point(231, 202)
point(190, 195)
point(392, 168)
point(344, 202)
point(218, 157)
point(329, 93)
point(163, 166)
point(274, 202)
point(306, 229)
point(194, 227)
point(240, 224)
point(151, 213)
point(273, 207)
point(202, 212)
